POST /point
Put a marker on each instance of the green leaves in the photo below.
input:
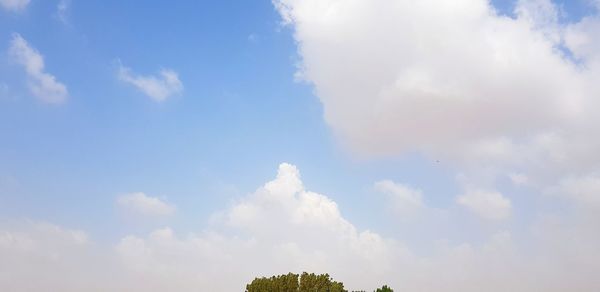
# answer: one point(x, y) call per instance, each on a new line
point(282, 283)
point(385, 288)
point(303, 283)
point(319, 283)
point(294, 283)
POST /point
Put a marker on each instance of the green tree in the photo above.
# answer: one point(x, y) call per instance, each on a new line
point(319, 283)
point(281, 283)
point(385, 288)
point(294, 283)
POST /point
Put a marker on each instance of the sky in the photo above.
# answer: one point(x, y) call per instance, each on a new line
point(429, 145)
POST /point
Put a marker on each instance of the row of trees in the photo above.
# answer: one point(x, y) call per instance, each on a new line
point(301, 283)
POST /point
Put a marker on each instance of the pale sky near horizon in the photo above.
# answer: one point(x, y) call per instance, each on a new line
point(430, 145)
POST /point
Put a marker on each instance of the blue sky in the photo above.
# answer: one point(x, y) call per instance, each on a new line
point(238, 110)
point(240, 115)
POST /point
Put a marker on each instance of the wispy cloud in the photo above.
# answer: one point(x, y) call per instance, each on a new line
point(403, 199)
point(253, 38)
point(14, 5)
point(62, 10)
point(158, 87)
point(42, 84)
point(143, 204)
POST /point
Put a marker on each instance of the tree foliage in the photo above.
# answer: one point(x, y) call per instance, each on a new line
point(295, 283)
point(281, 283)
point(301, 283)
point(319, 283)
point(385, 288)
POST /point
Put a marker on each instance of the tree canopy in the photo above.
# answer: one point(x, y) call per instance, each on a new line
point(385, 288)
point(300, 283)
point(295, 283)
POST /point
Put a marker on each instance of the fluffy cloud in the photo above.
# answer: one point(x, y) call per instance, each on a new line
point(42, 84)
point(435, 76)
point(159, 88)
point(145, 205)
point(282, 227)
point(581, 38)
point(490, 94)
point(487, 204)
point(14, 5)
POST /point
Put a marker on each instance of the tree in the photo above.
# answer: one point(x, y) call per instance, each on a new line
point(385, 288)
point(319, 283)
point(294, 283)
point(281, 283)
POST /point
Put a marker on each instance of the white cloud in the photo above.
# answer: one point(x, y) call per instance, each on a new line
point(403, 199)
point(14, 5)
point(159, 88)
point(42, 84)
point(492, 96)
point(455, 81)
point(582, 39)
point(281, 227)
point(405, 92)
point(543, 14)
point(142, 204)
point(487, 204)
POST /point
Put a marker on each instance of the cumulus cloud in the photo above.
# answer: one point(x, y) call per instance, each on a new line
point(42, 84)
point(143, 204)
point(14, 5)
point(283, 227)
point(487, 204)
point(495, 96)
point(403, 199)
point(159, 88)
point(490, 94)
point(306, 230)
